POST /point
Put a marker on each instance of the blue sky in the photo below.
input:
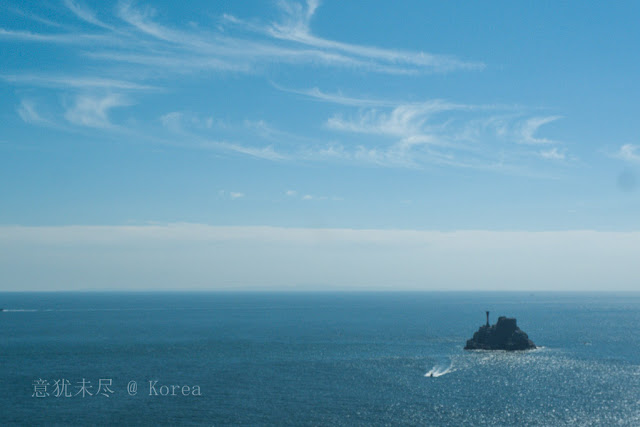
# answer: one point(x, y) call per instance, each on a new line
point(429, 117)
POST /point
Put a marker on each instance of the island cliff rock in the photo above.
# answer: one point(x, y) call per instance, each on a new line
point(504, 335)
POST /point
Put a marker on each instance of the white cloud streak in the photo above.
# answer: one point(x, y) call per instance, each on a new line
point(295, 27)
point(84, 13)
point(381, 132)
point(438, 132)
point(187, 130)
point(29, 114)
point(628, 153)
point(58, 38)
point(172, 121)
point(338, 98)
point(531, 126)
point(74, 82)
point(93, 111)
point(552, 154)
point(404, 120)
point(267, 153)
point(34, 17)
point(147, 42)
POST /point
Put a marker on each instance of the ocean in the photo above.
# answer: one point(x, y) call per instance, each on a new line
point(209, 358)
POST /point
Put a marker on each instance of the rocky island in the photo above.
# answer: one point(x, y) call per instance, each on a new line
point(504, 335)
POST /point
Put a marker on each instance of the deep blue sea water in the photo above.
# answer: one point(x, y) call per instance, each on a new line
point(318, 359)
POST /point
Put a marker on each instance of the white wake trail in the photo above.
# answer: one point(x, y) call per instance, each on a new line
point(440, 370)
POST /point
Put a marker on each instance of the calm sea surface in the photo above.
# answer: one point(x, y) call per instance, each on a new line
point(315, 359)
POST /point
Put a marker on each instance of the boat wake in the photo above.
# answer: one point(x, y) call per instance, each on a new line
point(440, 370)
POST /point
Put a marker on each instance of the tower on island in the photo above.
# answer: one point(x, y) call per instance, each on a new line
point(504, 335)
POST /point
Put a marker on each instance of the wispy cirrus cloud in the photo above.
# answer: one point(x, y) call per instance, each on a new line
point(34, 17)
point(60, 38)
point(403, 120)
point(265, 152)
point(172, 121)
point(628, 153)
point(233, 195)
point(435, 121)
point(529, 128)
point(393, 133)
point(141, 19)
point(93, 111)
point(85, 14)
point(390, 134)
point(189, 130)
point(29, 114)
point(552, 154)
point(363, 130)
point(77, 82)
point(308, 197)
point(339, 98)
point(139, 38)
point(295, 26)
